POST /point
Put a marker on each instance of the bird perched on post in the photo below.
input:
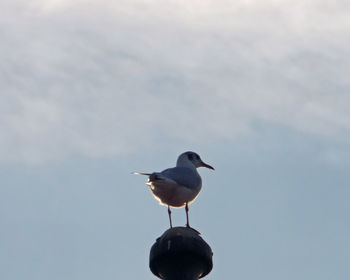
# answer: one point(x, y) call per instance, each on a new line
point(178, 186)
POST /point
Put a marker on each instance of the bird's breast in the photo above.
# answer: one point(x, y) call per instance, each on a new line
point(173, 194)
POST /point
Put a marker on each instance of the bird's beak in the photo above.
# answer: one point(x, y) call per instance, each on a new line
point(207, 166)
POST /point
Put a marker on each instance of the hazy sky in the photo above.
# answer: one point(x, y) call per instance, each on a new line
point(93, 90)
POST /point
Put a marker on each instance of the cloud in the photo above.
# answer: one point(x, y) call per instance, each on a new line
point(102, 78)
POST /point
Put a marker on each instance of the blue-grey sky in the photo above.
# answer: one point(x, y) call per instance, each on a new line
point(93, 90)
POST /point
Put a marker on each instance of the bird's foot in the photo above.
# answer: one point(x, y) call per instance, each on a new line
point(196, 231)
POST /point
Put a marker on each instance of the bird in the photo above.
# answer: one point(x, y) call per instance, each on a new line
point(178, 186)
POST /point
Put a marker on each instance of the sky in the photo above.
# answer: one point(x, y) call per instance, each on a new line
point(94, 90)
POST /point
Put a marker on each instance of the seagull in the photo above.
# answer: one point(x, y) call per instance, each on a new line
point(178, 186)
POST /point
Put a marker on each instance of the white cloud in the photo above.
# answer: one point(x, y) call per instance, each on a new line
point(100, 78)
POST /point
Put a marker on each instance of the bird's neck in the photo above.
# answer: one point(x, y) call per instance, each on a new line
point(185, 163)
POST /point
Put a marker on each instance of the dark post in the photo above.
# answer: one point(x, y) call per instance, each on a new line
point(180, 254)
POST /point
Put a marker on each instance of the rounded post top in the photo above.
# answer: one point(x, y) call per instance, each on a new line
point(180, 253)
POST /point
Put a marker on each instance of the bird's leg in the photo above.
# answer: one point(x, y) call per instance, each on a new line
point(188, 223)
point(186, 208)
point(169, 212)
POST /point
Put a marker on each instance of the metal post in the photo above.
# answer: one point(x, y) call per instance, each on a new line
point(180, 254)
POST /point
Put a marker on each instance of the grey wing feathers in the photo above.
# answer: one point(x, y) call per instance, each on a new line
point(183, 176)
point(155, 176)
point(142, 173)
point(179, 175)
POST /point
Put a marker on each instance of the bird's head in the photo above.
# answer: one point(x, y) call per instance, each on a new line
point(190, 159)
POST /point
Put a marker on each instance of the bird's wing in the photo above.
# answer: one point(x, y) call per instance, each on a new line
point(155, 177)
point(159, 176)
point(142, 173)
point(183, 176)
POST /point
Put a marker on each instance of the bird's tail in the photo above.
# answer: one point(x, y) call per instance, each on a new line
point(142, 173)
